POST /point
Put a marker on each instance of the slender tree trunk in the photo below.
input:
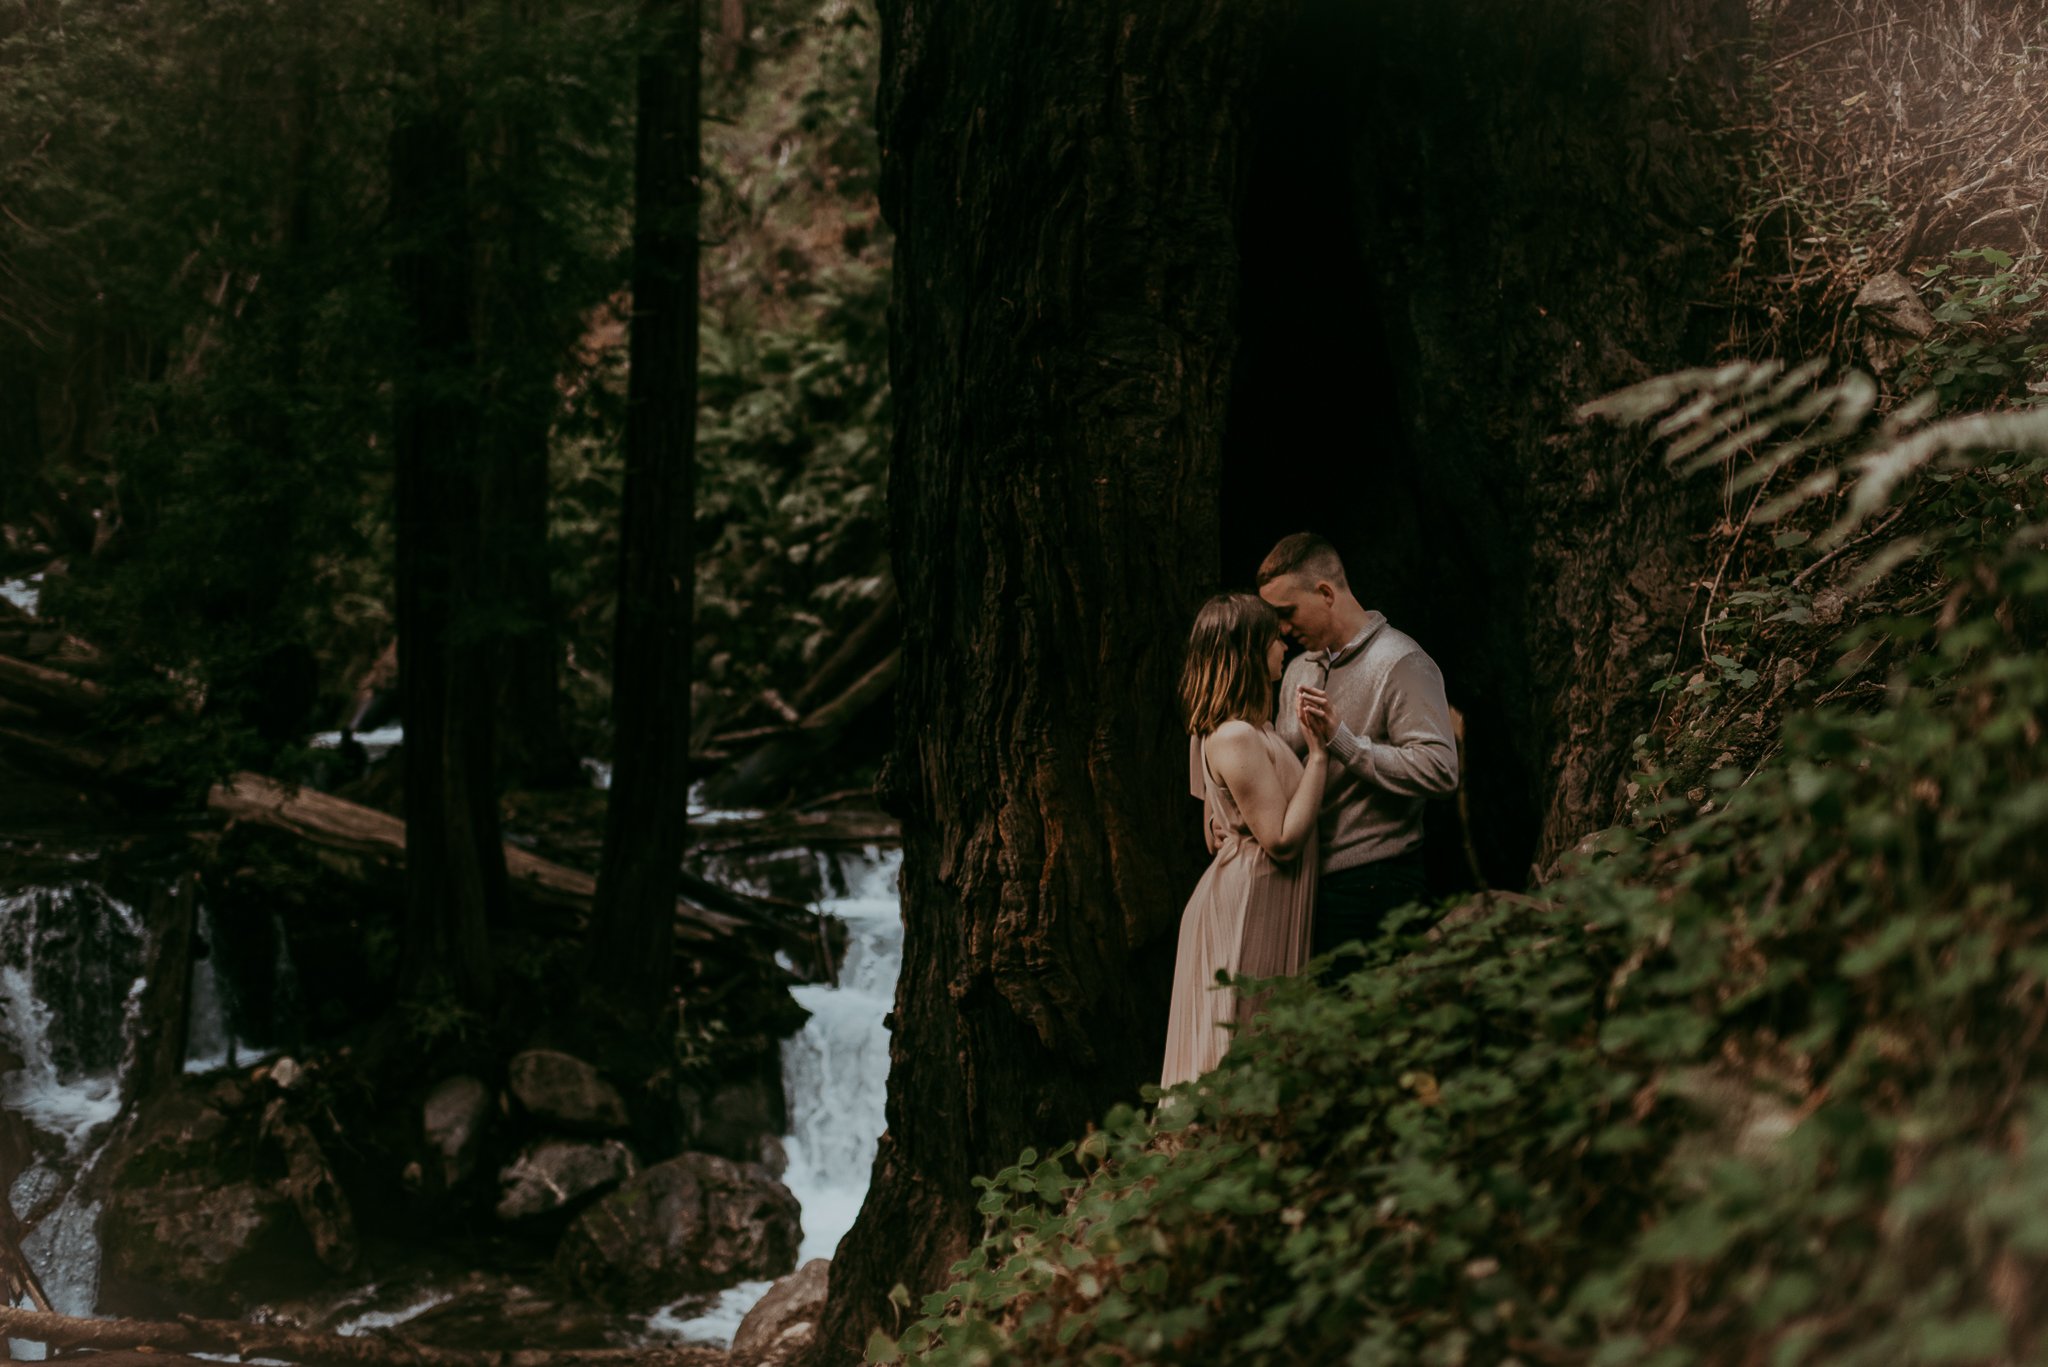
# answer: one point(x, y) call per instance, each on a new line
point(632, 926)
point(21, 436)
point(732, 34)
point(524, 335)
point(1063, 184)
point(274, 689)
point(455, 870)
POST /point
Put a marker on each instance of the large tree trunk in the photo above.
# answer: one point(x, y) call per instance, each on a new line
point(455, 872)
point(632, 925)
point(1453, 222)
point(1063, 183)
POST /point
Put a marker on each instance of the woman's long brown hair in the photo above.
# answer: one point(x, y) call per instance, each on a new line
point(1225, 674)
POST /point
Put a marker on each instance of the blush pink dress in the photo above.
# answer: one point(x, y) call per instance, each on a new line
point(1249, 915)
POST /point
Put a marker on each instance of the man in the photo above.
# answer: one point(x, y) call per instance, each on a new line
point(1378, 702)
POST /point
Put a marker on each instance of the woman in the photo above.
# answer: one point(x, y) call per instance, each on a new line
point(1250, 912)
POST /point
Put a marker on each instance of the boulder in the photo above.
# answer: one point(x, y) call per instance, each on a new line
point(190, 1245)
point(183, 1227)
point(737, 1114)
point(1890, 302)
point(562, 1090)
point(554, 1174)
point(785, 1322)
point(454, 1119)
point(1895, 320)
point(742, 1114)
point(692, 1224)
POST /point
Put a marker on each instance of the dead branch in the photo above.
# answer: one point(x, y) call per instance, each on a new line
point(862, 644)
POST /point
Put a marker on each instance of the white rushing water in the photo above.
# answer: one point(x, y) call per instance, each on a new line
point(70, 984)
point(209, 1043)
point(26, 594)
point(835, 1073)
point(376, 744)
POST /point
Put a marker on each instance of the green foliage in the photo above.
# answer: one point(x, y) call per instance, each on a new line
point(198, 193)
point(1813, 546)
point(793, 417)
point(436, 1022)
point(1989, 307)
point(1760, 1081)
point(198, 248)
point(792, 451)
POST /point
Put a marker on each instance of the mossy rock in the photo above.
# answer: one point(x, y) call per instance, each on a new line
point(693, 1224)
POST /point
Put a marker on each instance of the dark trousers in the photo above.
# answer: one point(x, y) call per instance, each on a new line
point(1351, 903)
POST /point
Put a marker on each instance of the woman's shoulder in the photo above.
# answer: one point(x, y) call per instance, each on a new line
point(1236, 741)
point(1235, 733)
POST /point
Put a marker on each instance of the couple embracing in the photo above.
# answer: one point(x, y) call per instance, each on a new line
point(1313, 805)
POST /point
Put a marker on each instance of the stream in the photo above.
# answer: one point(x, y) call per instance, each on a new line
point(835, 1073)
point(71, 975)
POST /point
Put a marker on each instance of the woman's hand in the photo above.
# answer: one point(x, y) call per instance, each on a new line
point(1312, 705)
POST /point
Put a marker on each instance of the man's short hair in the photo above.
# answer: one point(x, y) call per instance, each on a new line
point(1305, 554)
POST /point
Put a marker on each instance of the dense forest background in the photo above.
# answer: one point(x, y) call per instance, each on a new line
point(202, 343)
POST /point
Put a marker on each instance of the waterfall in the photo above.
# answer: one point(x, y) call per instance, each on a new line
point(835, 1073)
point(71, 961)
point(26, 594)
point(836, 1069)
point(209, 1042)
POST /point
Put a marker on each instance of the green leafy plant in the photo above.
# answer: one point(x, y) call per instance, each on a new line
point(1992, 320)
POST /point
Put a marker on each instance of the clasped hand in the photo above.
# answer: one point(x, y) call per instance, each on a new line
point(1318, 724)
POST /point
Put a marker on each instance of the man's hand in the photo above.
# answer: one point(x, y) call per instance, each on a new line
point(1316, 717)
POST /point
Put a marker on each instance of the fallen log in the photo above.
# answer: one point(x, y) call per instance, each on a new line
point(865, 642)
point(782, 830)
point(766, 772)
point(49, 691)
point(189, 1335)
point(53, 755)
point(123, 1357)
point(30, 643)
point(364, 844)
